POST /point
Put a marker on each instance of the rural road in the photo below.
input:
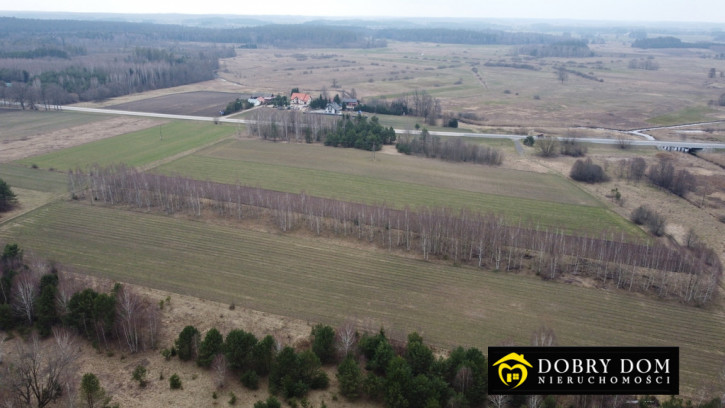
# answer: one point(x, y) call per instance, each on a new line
point(656, 143)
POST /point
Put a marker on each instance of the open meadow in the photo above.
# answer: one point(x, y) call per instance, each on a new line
point(475, 79)
point(329, 281)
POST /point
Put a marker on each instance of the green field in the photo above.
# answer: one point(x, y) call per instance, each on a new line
point(321, 280)
point(33, 179)
point(545, 200)
point(136, 148)
point(687, 115)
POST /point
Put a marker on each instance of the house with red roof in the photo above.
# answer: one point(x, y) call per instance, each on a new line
point(299, 98)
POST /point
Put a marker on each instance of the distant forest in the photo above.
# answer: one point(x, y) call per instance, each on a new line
point(55, 62)
point(671, 42)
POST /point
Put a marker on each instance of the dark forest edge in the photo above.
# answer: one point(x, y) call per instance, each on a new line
point(488, 241)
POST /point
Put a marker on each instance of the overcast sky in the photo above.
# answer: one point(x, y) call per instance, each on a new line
point(615, 10)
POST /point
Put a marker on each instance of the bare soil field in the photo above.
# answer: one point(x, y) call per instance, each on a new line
point(200, 103)
point(45, 142)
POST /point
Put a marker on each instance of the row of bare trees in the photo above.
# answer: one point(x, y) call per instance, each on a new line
point(486, 240)
point(291, 125)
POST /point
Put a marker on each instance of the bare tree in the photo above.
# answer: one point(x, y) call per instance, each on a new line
point(498, 401)
point(623, 141)
point(534, 401)
point(463, 379)
point(68, 351)
point(345, 338)
point(543, 337)
point(219, 368)
point(561, 74)
point(548, 146)
point(25, 291)
point(36, 375)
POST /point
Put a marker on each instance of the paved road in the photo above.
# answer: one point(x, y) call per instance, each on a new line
point(661, 144)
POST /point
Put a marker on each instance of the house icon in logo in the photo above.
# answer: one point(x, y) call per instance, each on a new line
point(516, 373)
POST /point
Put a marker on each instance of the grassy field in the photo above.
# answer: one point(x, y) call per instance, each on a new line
point(136, 148)
point(33, 179)
point(352, 175)
point(21, 124)
point(687, 115)
point(321, 280)
point(625, 98)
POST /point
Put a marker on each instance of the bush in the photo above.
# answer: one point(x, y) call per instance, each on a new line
point(588, 172)
point(139, 374)
point(548, 146)
point(271, 402)
point(573, 148)
point(250, 379)
point(175, 382)
point(233, 399)
point(655, 222)
point(529, 141)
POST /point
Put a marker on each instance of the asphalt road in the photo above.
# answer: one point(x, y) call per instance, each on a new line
point(656, 143)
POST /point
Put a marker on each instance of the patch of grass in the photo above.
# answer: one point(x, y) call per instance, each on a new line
point(688, 115)
point(33, 179)
point(323, 281)
point(543, 200)
point(136, 148)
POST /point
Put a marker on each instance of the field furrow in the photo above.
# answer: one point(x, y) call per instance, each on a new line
point(320, 280)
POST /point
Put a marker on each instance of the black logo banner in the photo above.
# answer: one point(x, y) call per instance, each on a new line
point(584, 370)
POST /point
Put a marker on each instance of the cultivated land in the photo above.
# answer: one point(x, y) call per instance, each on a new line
point(535, 199)
point(189, 103)
point(324, 280)
point(329, 281)
point(137, 148)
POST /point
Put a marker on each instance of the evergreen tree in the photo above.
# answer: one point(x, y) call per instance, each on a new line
point(212, 345)
point(7, 197)
point(349, 377)
point(323, 344)
point(187, 343)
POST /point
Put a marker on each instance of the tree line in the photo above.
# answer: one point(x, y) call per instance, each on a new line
point(485, 240)
point(450, 149)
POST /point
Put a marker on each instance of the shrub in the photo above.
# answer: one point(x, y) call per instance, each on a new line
point(139, 374)
point(588, 172)
point(548, 146)
point(572, 147)
point(233, 399)
point(529, 141)
point(175, 382)
point(250, 379)
point(655, 222)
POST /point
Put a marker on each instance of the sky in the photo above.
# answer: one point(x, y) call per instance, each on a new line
point(610, 10)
